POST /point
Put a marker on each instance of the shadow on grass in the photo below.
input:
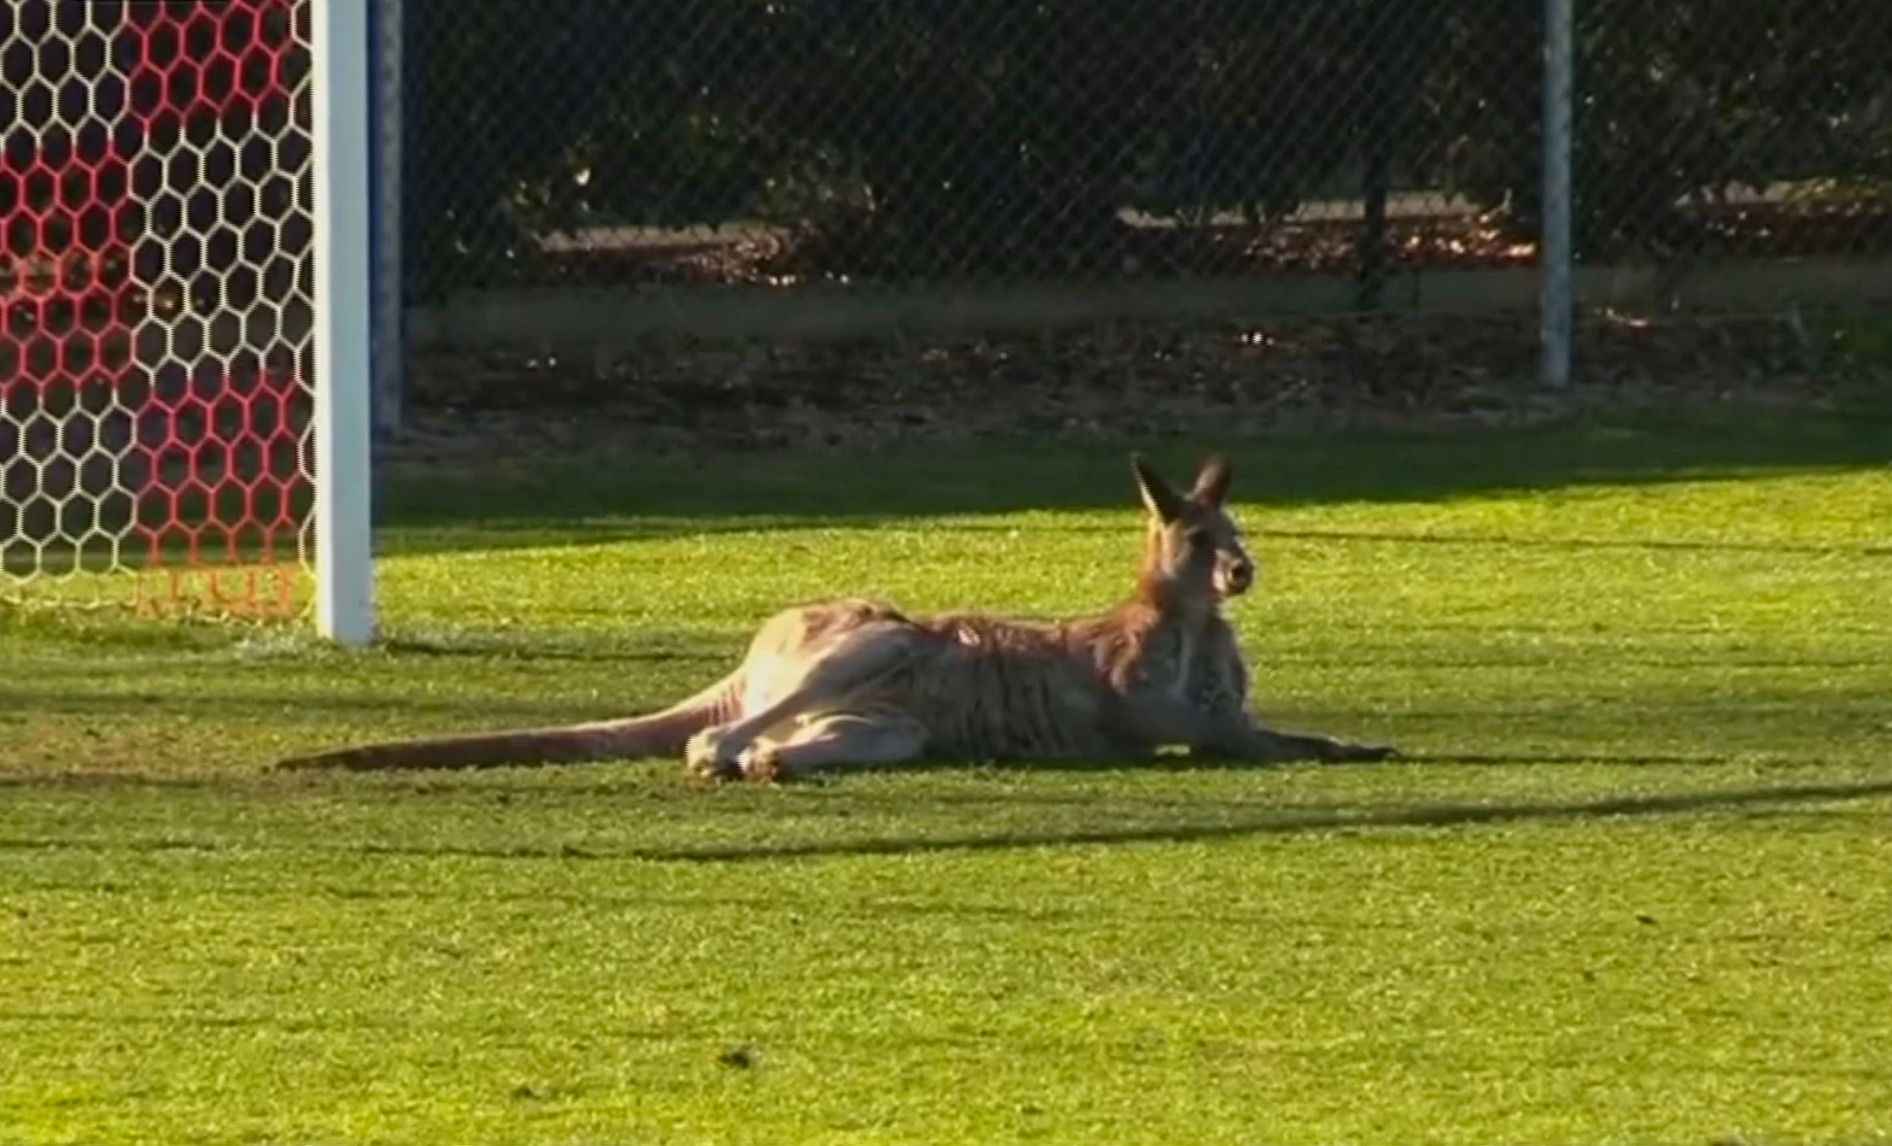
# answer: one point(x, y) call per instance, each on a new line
point(1344, 819)
point(1583, 544)
point(274, 704)
point(1280, 824)
point(572, 502)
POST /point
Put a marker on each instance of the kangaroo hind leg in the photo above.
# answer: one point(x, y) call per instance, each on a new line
point(836, 740)
point(819, 678)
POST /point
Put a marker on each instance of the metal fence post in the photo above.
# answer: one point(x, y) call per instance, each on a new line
point(1554, 252)
point(387, 64)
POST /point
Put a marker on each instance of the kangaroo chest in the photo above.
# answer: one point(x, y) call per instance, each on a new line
point(1195, 665)
point(1186, 672)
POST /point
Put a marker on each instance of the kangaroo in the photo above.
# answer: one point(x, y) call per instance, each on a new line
point(854, 681)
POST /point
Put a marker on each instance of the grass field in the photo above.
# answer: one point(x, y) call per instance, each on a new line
point(1632, 883)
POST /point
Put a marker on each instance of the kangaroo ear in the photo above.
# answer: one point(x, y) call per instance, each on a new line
point(1159, 496)
point(1212, 481)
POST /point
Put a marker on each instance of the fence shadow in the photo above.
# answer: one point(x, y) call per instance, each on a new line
point(1444, 815)
point(1272, 823)
point(578, 501)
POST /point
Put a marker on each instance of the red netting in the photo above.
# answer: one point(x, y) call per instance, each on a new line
point(154, 272)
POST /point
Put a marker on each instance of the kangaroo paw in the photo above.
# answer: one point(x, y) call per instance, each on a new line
point(763, 764)
point(706, 756)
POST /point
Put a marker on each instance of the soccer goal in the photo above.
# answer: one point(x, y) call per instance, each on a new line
point(185, 388)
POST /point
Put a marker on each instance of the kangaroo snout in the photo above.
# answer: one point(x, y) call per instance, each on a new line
point(1236, 576)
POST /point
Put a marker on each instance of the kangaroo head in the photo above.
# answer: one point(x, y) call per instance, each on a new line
point(1194, 548)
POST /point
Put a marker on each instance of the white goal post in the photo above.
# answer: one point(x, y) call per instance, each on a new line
point(344, 321)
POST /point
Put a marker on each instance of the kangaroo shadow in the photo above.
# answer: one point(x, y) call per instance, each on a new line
point(1181, 762)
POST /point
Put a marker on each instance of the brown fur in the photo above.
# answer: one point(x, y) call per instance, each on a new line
point(855, 681)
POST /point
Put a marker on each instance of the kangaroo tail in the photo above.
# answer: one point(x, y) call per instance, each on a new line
point(657, 734)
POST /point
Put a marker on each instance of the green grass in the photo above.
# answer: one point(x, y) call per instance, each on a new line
point(1632, 884)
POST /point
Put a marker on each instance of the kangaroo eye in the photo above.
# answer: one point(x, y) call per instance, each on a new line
point(1200, 538)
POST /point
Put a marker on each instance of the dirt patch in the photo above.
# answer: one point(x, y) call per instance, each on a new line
point(1108, 381)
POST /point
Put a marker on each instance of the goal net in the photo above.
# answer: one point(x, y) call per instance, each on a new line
point(155, 356)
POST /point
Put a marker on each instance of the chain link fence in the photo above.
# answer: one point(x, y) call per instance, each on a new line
point(1149, 202)
point(789, 142)
point(1747, 128)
